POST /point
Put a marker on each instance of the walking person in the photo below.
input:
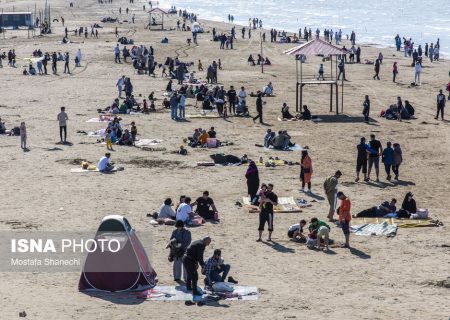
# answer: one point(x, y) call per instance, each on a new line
point(117, 53)
point(330, 188)
point(62, 120)
point(252, 176)
point(179, 240)
point(306, 171)
point(266, 203)
point(66, 63)
point(388, 159)
point(440, 100)
point(23, 136)
point(341, 67)
point(174, 106)
point(394, 71)
point(398, 159)
point(377, 70)
point(417, 72)
point(259, 109)
point(191, 259)
point(345, 217)
point(366, 109)
point(182, 106)
point(119, 85)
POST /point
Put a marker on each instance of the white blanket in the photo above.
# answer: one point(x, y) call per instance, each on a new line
point(375, 229)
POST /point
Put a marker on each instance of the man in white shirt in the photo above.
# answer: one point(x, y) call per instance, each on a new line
point(62, 119)
point(182, 107)
point(242, 95)
point(117, 54)
point(184, 211)
point(120, 84)
point(103, 165)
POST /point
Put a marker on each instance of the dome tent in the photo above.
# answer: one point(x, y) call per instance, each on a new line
point(124, 270)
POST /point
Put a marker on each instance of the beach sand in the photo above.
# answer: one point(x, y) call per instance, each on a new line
point(381, 278)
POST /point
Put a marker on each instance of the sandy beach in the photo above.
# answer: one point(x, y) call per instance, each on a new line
point(381, 278)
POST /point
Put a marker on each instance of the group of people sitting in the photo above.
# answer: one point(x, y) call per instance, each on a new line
point(304, 115)
point(282, 141)
point(186, 211)
point(399, 111)
point(388, 209)
point(259, 61)
point(318, 233)
point(201, 138)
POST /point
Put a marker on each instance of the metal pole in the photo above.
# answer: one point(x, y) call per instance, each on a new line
point(342, 96)
point(262, 62)
point(296, 86)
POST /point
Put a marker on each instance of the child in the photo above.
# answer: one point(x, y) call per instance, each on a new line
point(220, 64)
point(108, 139)
point(145, 107)
point(200, 65)
point(23, 136)
point(133, 132)
point(182, 151)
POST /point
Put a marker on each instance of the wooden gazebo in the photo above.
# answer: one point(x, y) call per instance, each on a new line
point(317, 47)
point(156, 18)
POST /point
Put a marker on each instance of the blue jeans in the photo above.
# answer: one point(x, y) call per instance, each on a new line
point(173, 110)
point(181, 110)
point(215, 274)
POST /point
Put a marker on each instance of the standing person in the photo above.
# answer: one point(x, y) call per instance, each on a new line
point(417, 72)
point(174, 105)
point(252, 176)
point(341, 67)
point(345, 217)
point(23, 136)
point(232, 100)
point(398, 159)
point(394, 71)
point(366, 109)
point(306, 170)
point(242, 96)
point(388, 159)
point(54, 63)
point(440, 100)
point(119, 85)
point(182, 107)
point(374, 156)
point(330, 187)
point(192, 257)
point(66, 63)
point(259, 109)
point(117, 53)
point(361, 159)
point(62, 119)
point(180, 240)
point(78, 56)
point(266, 203)
point(377, 70)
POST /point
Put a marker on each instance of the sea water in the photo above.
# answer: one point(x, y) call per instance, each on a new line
point(375, 22)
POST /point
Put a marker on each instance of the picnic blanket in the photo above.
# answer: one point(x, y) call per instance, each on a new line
point(271, 162)
point(293, 148)
point(375, 229)
point(295, 119)
point(401, 223)
point(99, 133)
point(285, 205)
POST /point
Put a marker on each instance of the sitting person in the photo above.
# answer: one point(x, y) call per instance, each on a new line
point(126, 139)
point(305, 114)
point(380, 211)
point(166, 211)
point(267, 62)
point(296, 231)
point(2, 127)
point(408, 206)
point(391, 113)
point(184, 210)
point(104, 165)
point(409, 108)
point(279, 141)
point(319, 230)
point(212, 133)
point(123, 108)
point(194, 140)
point(203, 138)
point(268, 90)
point(214, 267)
point(285, 112)
point(183, 151)
point(205, 207)
point(404, 114)
point(268, 137)
point(251, 61)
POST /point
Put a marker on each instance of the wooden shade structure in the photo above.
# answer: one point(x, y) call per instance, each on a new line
point(317, 47)
point(156, 12)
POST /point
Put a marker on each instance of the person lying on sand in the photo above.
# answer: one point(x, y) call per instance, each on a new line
point(378, 211)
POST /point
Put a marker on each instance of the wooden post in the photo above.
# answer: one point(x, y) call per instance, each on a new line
point(342, 96)
point(337, 98)
point(331, 97)
point(301, 96)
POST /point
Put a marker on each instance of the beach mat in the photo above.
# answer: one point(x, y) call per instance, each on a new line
point(201, 116)
point(295, 120)
point(285, 205)
point(81, 170)
point(147, 142)
point(98, 120)
point(375, 229)
point(401, 223)
point(294, 148)
point(275, 163)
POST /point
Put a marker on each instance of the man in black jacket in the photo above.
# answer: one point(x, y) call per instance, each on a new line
point(192, 256)
point(259, 109)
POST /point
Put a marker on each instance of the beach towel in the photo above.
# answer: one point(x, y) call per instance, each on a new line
point(102, 119)
point(147, 142)
point(285, 205)
point(99, 133)
point(272, 163)
point(293, 148)
point(375, 229)
point(401, 223)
